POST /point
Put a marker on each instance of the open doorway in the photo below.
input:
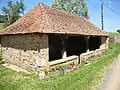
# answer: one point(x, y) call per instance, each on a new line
point(55, 47)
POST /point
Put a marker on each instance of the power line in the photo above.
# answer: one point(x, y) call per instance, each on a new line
point(110, 8)
point(104, 5)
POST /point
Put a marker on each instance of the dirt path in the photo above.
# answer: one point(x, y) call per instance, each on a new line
point(111, 79)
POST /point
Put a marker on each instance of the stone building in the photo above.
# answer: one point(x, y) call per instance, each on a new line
point(44, 35)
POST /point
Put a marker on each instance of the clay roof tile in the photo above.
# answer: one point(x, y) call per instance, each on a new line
point(44, 19)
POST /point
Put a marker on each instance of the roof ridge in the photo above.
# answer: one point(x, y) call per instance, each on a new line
point(44, 14)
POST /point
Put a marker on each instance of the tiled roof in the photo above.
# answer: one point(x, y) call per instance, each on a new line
point(43, 19)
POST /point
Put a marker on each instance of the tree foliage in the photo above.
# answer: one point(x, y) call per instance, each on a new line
point(77, 7)
point(2, 19)
point(12, 11)
point(118, 30)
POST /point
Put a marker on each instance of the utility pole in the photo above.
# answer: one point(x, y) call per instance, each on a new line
point(102, 13)
point(102, 16)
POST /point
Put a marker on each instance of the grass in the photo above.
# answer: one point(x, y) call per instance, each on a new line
point(86, 77)
point(114, 34)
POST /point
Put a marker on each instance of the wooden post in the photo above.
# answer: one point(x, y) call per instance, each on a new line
point(64, 43)
point(87, 43)
point(64, 53)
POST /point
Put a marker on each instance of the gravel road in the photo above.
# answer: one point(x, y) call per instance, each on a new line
point(111, 79)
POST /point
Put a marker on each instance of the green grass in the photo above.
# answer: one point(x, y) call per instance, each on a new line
point(114, 34)
point(85, 77)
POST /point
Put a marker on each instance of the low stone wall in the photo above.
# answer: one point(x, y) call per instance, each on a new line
point(117, 39)
point(114, 39)
point(65, 61)
point(111, 39)
point(92, 55)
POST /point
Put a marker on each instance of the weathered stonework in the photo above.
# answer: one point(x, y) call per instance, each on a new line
point(104, 43)
point(62, 62)
point(117, 39)
point(25, 50)
point(92, 55)
point(114, 39)
point(31, 52)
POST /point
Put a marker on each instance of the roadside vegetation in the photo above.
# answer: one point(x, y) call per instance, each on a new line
point(114, 34)
point(85, 77)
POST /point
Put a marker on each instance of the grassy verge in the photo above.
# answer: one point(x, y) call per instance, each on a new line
point(84, 78)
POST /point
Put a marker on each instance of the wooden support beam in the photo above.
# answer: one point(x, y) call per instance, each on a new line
point(64, 44)
point(87, 38)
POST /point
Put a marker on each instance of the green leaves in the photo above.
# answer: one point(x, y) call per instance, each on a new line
point(77, 7)
point(118, 30)
point(12, 11)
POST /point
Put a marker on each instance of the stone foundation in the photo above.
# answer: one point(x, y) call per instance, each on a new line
point(92, 55)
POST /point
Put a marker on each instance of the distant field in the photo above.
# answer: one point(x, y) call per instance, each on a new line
point(114, 33)
point(1, 26)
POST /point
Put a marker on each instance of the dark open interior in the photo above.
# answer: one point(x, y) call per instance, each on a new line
point(94, 43)
point(74, 45)
point(55, 47)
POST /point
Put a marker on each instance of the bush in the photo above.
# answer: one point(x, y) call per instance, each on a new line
point(118, 31)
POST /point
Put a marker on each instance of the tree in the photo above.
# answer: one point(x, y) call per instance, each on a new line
point(118, 30)
point(2, 19)
point(77, 7)
point(12, 11)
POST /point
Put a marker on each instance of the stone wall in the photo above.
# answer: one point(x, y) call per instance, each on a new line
point(71, 59)
point(117, 39)
point(114, 39)
point(92, 55)
point(111, 39)
point(26, 51)
point(104, 43)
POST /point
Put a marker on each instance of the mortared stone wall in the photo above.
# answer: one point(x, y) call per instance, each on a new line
point(27, 51)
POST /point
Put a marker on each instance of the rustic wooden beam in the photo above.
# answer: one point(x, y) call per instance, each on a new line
point(87, 38)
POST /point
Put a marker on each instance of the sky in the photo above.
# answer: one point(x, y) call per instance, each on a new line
point(111, 19)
